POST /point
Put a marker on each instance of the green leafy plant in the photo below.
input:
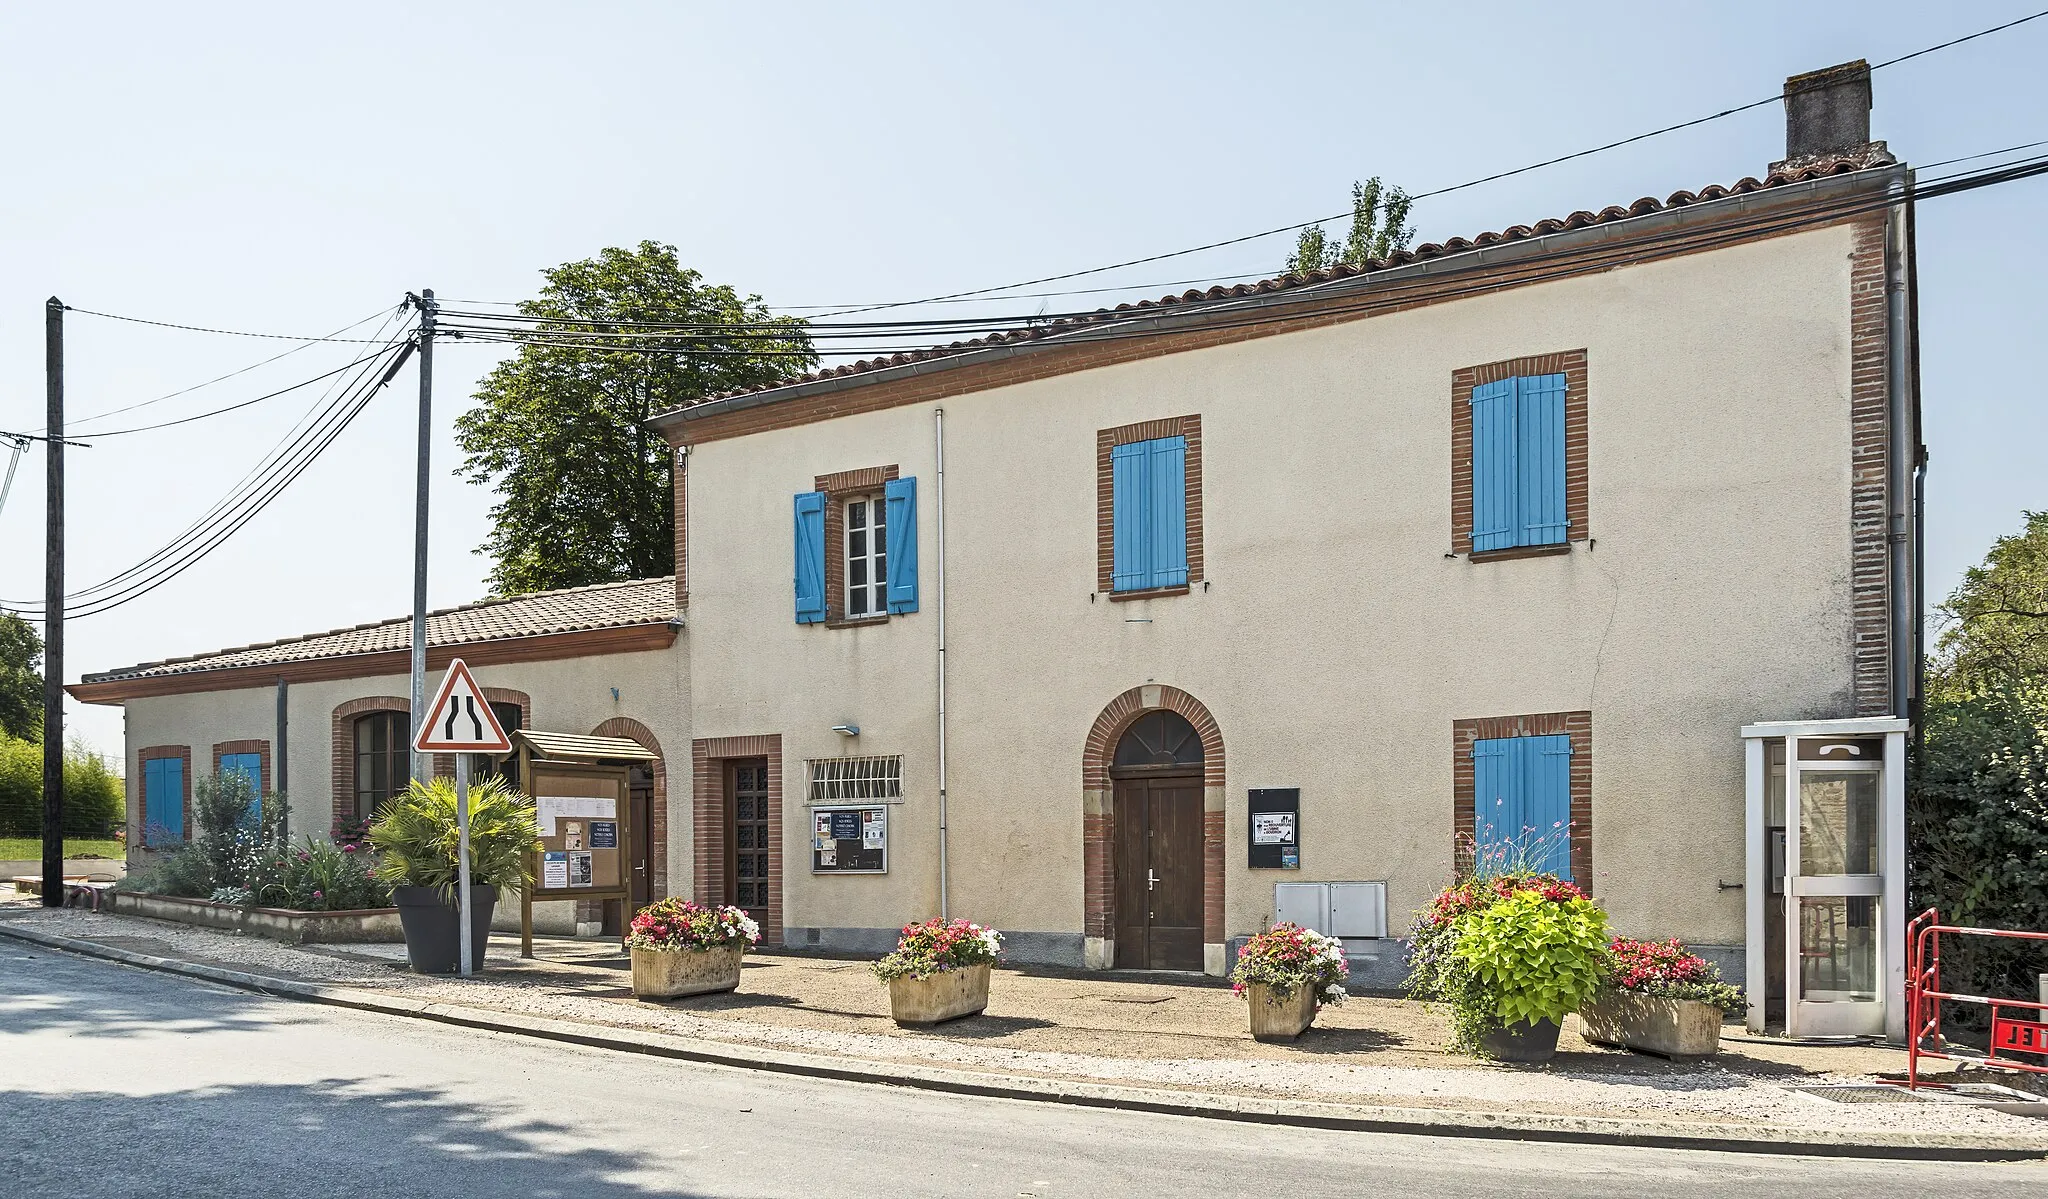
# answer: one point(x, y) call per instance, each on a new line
point(318, 876)
point(416, 836)
point(935, 947)
point(1537, 958)
point(1439, 973)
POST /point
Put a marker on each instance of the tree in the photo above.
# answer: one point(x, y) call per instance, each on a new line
point(1379, 226)
point(21, 679)
point(1996, 621)
point(560, 432)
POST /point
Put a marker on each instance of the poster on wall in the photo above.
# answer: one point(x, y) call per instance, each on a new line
point(853, 839)
point(580, 872)
point(554, 869)
point(1273, 828)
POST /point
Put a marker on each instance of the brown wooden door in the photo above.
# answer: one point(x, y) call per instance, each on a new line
point(747, 881)
point(640, 803)
point(1159, 873)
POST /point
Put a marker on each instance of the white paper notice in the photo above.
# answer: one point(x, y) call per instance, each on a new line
point(1272, 828)
point(547, 808)
point(874, 834)
point(554, 870)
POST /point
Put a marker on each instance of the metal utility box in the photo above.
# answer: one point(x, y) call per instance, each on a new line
point(1348, 911)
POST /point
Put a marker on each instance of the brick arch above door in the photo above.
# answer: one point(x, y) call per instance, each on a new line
point(657, 820)
point(1098, 819)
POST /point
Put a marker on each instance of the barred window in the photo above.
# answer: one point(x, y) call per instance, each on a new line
point(834, 780)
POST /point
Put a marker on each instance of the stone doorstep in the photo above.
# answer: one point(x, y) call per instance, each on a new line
point(1290, 1112)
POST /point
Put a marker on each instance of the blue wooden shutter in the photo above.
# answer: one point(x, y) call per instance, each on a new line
point(1547, 804)
point(249, 766)
point(810, 557)
point(901, 497)
point(1169, 511)
point(1496, 800)
point(1496, 523)
point(163, 801)
point(1130, 512)
point(1539, 420)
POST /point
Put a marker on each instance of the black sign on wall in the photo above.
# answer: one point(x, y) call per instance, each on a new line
point(1273, 827)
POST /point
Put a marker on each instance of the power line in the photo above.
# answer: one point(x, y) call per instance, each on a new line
point(186, 420)
point(1968, 37)
point(137, 320)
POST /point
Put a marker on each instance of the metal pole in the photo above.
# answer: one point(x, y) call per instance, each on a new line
point(422, 764)
point(53, 612)
point(280, 778)
point(462, 854)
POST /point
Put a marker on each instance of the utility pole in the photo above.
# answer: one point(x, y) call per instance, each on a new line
point(53, 613)
point(422, 764)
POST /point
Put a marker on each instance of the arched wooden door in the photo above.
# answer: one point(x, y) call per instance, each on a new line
point(1156, 775)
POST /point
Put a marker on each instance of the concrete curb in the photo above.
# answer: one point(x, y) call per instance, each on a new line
point(1290, 1112)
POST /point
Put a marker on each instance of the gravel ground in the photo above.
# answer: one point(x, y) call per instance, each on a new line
point(1071, 1025)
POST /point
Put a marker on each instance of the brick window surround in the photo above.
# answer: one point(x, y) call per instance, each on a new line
point(344, 746)
point(1107, 440)
point(657, 818)
point(1572, 365)
point(708, 756)
point(1098, 812)
point(1578, 726)
point(839, 487)
point(266, 782)
point(183, 753)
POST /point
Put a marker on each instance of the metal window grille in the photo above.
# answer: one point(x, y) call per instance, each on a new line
point(837, 779)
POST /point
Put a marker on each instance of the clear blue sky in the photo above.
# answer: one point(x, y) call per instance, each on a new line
point(282, 168)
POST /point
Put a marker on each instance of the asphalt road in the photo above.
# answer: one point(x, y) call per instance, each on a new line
point(122, 1082)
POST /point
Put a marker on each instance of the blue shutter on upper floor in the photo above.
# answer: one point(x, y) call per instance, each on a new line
point(810, 557)
point(1547, 803)
point(1169, 511)
point(1539, 454)
point(1149, 510)
point(1495, 522)
point(1130, 504)
point(1496, 801)
point(900, 495)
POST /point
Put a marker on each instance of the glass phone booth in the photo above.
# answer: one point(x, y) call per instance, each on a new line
point(1826, 883)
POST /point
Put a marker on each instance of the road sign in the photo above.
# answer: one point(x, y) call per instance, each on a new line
point(460, 720)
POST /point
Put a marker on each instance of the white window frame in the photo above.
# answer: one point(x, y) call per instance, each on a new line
point(875, 558)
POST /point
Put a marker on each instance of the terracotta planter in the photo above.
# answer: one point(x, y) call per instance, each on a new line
point(1671, 1027)
point(1277, 1019)
point(942, 997)
point(674, 973)
point(1523, 1042)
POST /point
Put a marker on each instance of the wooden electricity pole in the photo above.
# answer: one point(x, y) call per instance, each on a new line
point(53, 614)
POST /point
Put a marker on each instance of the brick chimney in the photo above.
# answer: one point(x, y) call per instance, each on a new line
point(1827, 117)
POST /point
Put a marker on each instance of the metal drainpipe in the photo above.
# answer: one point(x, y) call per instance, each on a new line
point(1899, 445)
point(939, 593)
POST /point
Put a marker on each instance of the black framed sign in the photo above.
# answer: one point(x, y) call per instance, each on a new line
point(1273, 828)
point(850, 839)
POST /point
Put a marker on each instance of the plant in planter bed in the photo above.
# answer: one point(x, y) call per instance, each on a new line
point(1286, 973)
point(939, 971)
point(683, 948)
point(318, 876)
point(416, 839)
point(1662, 998)
point(1509, 955)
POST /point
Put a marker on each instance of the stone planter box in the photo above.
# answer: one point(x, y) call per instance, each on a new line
point(1276, 1019)
point(674, 973)
point(1671, 1027)
point(278, 924)
point(942, 997)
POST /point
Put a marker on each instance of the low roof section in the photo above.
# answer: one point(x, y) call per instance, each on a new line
point(604, 618)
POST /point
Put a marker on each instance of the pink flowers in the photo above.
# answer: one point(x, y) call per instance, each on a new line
point(936, 946)
point(683, 925)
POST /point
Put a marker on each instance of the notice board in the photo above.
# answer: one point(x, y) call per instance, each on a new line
point(581, 812)
point(850, 839)
point(1273, 828)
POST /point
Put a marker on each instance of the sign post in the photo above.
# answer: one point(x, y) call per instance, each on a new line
point(460, 721)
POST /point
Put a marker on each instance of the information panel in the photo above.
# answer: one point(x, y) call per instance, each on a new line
point(1273, 825)
point(578, 810)
point(850, 839)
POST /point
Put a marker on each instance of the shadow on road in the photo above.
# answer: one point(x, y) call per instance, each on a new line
point(27, 1006)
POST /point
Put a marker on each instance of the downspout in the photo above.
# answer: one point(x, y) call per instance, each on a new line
point(280, 759)
point(939, 594)
point(1919, 542)
point(1901, 445)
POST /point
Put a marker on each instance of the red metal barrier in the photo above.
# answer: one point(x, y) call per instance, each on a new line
point(1924, 998)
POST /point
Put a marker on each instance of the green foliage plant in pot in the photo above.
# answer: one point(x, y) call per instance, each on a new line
point(416, 838)
point(1285, 974)
point(683, 948)
point(939, 971)
point(1509, 955)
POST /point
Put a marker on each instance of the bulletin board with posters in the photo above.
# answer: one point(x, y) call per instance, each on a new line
point(582, 813)
point(850, 839)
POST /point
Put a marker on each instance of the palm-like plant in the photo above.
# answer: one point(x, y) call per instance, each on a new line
point(416, 836)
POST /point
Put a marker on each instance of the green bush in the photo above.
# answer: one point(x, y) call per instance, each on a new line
point(416, 837)
point(94, 798)
point(1537, 958)
point(184, 872)
point(319, 876)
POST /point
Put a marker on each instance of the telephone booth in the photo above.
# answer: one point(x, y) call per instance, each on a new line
point(1826, 883)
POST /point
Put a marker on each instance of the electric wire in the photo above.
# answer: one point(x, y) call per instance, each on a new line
point(186, 420)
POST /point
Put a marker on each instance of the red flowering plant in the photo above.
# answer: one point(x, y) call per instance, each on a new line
point(1288, 957)
point(684, 926)
point(936, 946)
point(1668, 970)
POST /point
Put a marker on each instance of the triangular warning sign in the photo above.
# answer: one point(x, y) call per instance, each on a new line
point(460, 720)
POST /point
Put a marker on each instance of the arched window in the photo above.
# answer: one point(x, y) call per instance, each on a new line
point(383, 758)
point(1159, 740)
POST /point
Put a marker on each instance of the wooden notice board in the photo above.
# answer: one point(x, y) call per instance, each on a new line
point(583, 811)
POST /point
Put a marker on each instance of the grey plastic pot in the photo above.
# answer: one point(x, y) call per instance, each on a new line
point(433, 929)
point(1535, 1042)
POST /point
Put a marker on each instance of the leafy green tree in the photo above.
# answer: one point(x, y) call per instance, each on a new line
point(21, 679)
point(1996, 622)
point(560, 431)
point(1379, 226)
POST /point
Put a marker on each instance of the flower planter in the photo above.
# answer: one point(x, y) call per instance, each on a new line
point(433, 928)
point(947, 995)
point(1277, 1019)
point(278, 924)
point(674, 973)
point(1535, 1042)
point(1671, 1027)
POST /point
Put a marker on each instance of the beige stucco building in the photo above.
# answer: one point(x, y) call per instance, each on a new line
point(1102, 628)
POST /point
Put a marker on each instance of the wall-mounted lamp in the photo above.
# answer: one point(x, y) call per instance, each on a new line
point(847, 730)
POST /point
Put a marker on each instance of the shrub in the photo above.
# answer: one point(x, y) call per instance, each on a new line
point(94, 797)
point(678, 924)
point(934, 947)
point(1288, 957)
point(1668, 970)
point(184, 871)
point(417, 839)
point(1535, 942)
point(318, 876)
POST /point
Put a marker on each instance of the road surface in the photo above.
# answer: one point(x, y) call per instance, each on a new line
point(123, 1082)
